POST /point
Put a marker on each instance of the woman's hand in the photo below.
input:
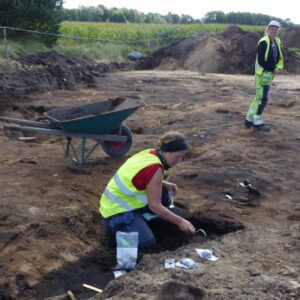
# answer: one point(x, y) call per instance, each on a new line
point(186, 226)
point(154, 201)
point(171, 187)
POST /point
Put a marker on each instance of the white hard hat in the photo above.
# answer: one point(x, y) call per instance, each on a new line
point(274, 23)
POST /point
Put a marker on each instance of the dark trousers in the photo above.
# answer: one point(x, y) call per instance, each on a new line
point(133, 221)
point(264, 100)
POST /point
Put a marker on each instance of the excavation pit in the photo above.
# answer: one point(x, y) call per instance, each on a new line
point(96, 268)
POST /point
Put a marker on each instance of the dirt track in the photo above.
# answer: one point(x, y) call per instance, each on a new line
point(49, 220)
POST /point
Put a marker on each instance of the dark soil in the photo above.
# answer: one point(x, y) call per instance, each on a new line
point(291, 37)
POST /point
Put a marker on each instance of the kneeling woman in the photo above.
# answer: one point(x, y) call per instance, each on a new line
point(137, 187)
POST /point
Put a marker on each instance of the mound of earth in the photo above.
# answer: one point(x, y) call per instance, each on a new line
point(46, 71)
point(230, 52)
point(291, 37)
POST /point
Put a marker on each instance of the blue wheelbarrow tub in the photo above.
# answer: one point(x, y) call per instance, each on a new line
point(103, 117)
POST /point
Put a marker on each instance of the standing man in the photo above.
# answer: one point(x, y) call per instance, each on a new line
point(269, 61)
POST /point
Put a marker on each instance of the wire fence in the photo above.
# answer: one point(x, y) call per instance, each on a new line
point(27, 35)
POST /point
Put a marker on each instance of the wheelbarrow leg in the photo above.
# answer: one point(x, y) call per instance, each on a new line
point(81, 162)
point(86, 153)
point(79, 154)
point(89, 152)
point(68, 145)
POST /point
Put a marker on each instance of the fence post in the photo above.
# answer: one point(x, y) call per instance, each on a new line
point(5, 43)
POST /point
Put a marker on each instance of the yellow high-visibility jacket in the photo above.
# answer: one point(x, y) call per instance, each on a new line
point(121, 195)
point(258, 68)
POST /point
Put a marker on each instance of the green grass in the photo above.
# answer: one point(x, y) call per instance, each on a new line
point(21, 47)
point(105, 53)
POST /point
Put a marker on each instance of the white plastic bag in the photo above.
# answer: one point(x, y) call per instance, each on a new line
point(206, 254)
point(127, 249)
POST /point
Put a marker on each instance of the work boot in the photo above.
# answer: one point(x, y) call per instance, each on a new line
point(262, 127)
point(248, 124)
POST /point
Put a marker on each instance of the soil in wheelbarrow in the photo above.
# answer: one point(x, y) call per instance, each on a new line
point(241, 186)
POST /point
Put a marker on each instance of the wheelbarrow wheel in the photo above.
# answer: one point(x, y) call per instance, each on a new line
point(116, 148)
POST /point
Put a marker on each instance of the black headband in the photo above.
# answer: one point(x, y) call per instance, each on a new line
point(174, 146)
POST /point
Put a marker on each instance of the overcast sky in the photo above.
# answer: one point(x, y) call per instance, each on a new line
point(198, 8)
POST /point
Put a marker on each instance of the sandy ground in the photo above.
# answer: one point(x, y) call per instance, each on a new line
point(49, 233)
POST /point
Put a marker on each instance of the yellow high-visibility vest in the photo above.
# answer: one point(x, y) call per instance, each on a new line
point(258, 68)
point(121, 195)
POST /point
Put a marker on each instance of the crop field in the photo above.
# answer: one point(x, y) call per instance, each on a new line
point(133, 33)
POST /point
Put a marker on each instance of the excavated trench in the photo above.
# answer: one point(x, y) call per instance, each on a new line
point(96, 268)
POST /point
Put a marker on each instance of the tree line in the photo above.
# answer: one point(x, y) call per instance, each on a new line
point(36, 15)
point(124, 15)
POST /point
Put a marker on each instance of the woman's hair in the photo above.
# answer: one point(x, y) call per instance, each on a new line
point(170, 136)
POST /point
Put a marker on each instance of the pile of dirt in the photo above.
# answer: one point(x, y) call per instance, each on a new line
point(65, 71)
point(230, 52)
point(46, 71)
point(291, 37)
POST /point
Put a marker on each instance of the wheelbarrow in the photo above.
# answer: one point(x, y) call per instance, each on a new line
point(99, 121)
